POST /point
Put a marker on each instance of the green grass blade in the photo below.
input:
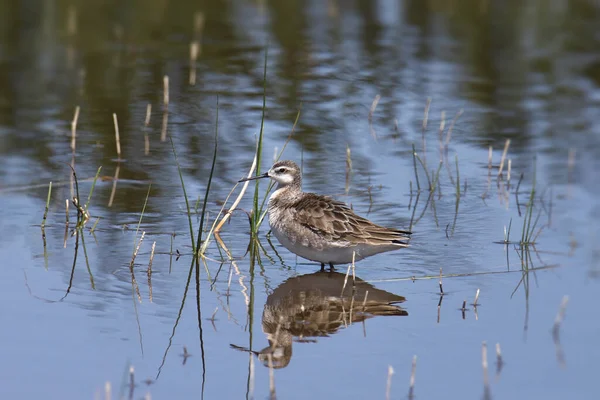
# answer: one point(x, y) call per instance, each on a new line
point(212, 170)
point(87, 203)
point(187, 203)
point(256, 211)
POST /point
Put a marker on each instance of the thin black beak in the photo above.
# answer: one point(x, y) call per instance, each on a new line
point(265, 175)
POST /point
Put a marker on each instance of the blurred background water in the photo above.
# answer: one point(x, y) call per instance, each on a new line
point(528, 71)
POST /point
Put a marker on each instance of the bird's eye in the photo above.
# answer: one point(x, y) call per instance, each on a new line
point(281, 170)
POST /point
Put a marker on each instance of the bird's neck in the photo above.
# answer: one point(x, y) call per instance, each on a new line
point(289, 192)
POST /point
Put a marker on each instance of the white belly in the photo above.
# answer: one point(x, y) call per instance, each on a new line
point(329, 253)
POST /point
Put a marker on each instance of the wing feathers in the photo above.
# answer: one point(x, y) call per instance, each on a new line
point(335, 221)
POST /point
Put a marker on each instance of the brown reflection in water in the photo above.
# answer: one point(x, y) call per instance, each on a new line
point(311, 306)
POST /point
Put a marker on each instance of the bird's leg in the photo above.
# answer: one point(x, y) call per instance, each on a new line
point(331, 267)
point(322, 266)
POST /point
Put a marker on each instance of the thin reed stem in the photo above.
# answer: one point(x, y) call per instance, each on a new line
point(117, 137)
point(414, 152)
point(187, 203)
point(47, 205)
point(74, 128)
point(87, 203)
point(255, 210)
point(210, 176)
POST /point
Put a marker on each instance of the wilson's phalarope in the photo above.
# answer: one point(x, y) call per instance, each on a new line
point(319, 228)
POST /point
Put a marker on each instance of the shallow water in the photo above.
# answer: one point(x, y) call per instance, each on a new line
point(516, 71)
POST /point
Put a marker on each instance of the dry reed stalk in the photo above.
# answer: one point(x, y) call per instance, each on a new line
point(508, 172)
point(45, 217)
point(238, 199)
point(441, 134)
point(571, 164)
point(424, 128)
point(441, 287)
point(194, 52)
point(370, 117)
point(146, 124)
point(499, 360)
point(71, 20)
point(166, 92)
point(271, 377)
point(570, 167)
point(251, 378)
point(346, 280)
point(484, 365)
point(165, 123)
point(348, 168)
point(451, 128)
point(74, 128)
point(148, 115)
point(476, 298)
point(374, 106)
point(67, 211)
point(413, 373)
point(198, 23)
point(133, 280)
point(353, 269)
point(504, 152)
point(66, 236)
point(131, 381)
point(107, 391)
point(150, 271)
point(560, 316)
point(117, 137)
point(114, 186)
point(388, 387)
point(71, 178)
point(244, 288)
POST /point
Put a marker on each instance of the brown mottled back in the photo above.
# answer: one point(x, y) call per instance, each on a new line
point(335, 221)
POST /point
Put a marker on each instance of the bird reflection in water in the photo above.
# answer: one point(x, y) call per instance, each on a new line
point(310, 306)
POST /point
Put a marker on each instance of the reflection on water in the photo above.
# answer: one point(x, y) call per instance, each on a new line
point(318, 305)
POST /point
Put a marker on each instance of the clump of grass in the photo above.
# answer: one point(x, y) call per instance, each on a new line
point(196, 244)
point(83, 214)
point(528, 229)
